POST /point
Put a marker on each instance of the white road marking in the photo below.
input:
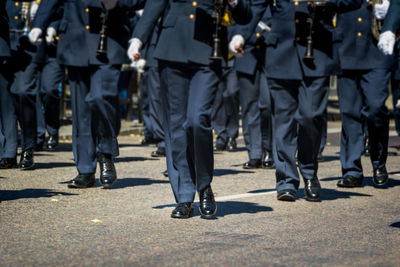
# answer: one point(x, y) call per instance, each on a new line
point(247, 195)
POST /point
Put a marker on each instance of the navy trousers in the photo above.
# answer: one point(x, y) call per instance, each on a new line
point(156, 108)
point(48, 101)
point(95, 113)
point(297, 118)
point(362, 95)
point(264, 103)
point(8, 115)
point(188, 92)
point(251, 115)
point(225, 113)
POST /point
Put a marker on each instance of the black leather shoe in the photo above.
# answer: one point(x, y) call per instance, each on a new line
point(8, 163)
point(183, 211)
point(380, 176)
point(83, 181)
point(26, 161)
point(148, 141)
point(312, 189)
point(286, 195)
point(252, 164)
point(165, 173)
point(38, 147)
point(366, 147)
point(160, 152)
point(268, 160)
point(52, 142)
point(208, 207)
point(350, 182)
point(231, 145)
point(219, 147)
point(108, 175)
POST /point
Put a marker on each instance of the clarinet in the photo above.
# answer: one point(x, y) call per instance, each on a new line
point(217, 16)
point(102, 46)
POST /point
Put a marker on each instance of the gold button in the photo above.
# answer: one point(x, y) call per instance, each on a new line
point(257, 46)
point(194, 3)
point(16, 17)
point(296, 3)
point(258, 34)
point(359, 19)
point(38, 2)
point(297, 38)
point(191, 16)
point(16, 3)
point(57, 37)
point(359, 34)
point(87, 10)
point(297, 20)
point(87, 27)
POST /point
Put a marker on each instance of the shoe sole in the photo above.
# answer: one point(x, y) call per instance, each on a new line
point(379, 184)
point(349, 186)
point(183, 217)
point(108, 184)
point(208, 216)
point(27, 168)
point(287, 198)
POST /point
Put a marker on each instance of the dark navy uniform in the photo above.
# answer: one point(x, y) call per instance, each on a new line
point(8, 119)
point(93, 78)
point(189, 79)
point(362, 90)
point(392, 19)
point(298, 88)
point(396, 88)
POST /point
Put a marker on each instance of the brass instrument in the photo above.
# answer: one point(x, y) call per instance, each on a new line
point(217, 16)
point(376, 24)
point(102, 46)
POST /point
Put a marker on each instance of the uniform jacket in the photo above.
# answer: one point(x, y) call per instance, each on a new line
point(254, 48)
point(187, 29)
point(286, 43)
point(80, 30)
point(4, 35)
point(392, 19)
point(357, 46)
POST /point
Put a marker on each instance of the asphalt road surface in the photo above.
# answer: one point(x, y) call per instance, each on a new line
point(42, 222)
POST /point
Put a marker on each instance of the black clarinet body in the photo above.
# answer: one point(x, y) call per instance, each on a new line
point(102, 46)
point(217, 16)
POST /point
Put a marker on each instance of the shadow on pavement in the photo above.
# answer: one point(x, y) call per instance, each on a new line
point(221, 172)
point(332, 194)
point(6, 195)
point(330, 158)
point(51, 165)
point(396, 224)
point(131, 159)
point(261, 191)
point(131, 182)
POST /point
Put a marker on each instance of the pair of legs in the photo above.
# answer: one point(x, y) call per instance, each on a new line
point(297, 119)
point(188, 94)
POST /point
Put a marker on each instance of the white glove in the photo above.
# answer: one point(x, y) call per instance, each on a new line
point(386, 42)
point(381, 9)
point(236, 45)
point(50, 35)
point(34, 36)
point(109, 4)
point(33, 9)
point(134, 47)
point(139, 64)
point(398, 104)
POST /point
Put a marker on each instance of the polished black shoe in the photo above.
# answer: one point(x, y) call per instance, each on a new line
point(160, 152)
point(380, 176)
point(253, 164)
point(207, 207)
point(350, 182)
point(165, 173)
point(312, 189)
point(38, 147)
point(52, 142)
point(268, 160)
point(8, 163)
point(231, 145)
point(108, 175)
point(367, 147)
point(219, 147)
point(183, 211)
point(286, 195)
point(83, 181)
point(148, 141)
point(26, 162)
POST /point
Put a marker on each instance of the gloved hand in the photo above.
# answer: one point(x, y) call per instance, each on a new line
point(33, 9)
point(134, 47)
point(139, 64)
point(386, 42)
point(109, 4)
point(236, 45)
point(381, 9)
point(34, 36)
point(50, 35)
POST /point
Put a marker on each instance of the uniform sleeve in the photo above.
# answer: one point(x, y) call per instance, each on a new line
point(343, 5)
point(46, 11)
point(134, 4)
point(242, 12)
point(151, 13)
point(392, 20)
